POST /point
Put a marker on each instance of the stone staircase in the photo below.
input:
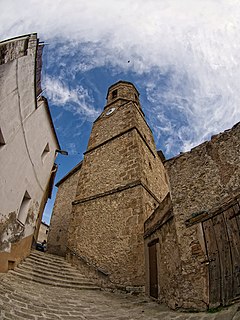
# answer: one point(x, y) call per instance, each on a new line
point(52, 270)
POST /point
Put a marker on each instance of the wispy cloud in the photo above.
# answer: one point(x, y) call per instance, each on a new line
point(76, 100)
point(72, 149)
point(184, 53)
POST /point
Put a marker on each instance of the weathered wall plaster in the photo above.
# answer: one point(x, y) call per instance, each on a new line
point(26, 128)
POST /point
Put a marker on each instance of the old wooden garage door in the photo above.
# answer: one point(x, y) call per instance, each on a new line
point(222, 236)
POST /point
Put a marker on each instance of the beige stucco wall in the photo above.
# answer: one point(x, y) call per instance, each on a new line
point(26, 129)
point(43, 232)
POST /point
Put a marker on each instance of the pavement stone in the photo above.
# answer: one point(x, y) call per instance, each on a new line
point(24, 299)
point(237, 316)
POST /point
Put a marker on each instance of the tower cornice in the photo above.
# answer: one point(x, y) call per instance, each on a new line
point(121, 82)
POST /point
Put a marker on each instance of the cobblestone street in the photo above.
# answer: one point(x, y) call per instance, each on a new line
point(25, 299)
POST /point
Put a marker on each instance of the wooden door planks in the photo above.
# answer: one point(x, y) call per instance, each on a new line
point(225, 260)
point(214, 265)
point(222, 237)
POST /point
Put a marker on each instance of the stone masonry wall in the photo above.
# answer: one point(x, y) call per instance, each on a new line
point(109, 166)
point(153, 172)
point(125, 116)
point(129, 160)
point(121, 158)
point(58, 232)
point(108, 126)
point(125, 90)
point(107, 232)
point(118, 164)
point(201, 179)
point(133, 155)
point(160, 229)
point(169, 265)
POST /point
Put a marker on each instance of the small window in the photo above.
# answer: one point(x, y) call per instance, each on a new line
point(114, 94)
point(11, 264)
point(45, 152)
point(23, 211)
point(2, 141)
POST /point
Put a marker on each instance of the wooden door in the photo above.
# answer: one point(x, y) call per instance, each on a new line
point(153, 271)
point(214, 265)
point(232, 217)
point(222, 236)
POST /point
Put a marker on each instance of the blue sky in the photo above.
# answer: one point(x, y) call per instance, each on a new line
point(183, 56)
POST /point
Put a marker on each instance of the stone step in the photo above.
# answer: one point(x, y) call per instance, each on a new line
point(51, 270)
point(40, 264)
point(47, 256)
point(35, 262)
point(46, 260)
point(49, 273)
point(55, 262)
point(69, 285)
point(42, 267)
point(52, 278)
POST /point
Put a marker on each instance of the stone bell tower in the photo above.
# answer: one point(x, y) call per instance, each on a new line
point(122, 181)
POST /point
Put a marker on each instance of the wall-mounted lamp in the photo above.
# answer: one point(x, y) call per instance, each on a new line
point(63, 152)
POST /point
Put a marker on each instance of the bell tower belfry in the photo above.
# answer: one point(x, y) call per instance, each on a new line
point(122, 181)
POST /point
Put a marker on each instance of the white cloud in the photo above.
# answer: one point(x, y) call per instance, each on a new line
point(195, 43)
point(76, 101)
point(72, 148)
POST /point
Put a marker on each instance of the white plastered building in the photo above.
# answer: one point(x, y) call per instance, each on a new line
point(28, 145)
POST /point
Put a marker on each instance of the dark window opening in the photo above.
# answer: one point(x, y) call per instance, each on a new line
point(45, 152)
point(114, 94)
point(2, 141)
point(11, 264)
point(23, 211)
